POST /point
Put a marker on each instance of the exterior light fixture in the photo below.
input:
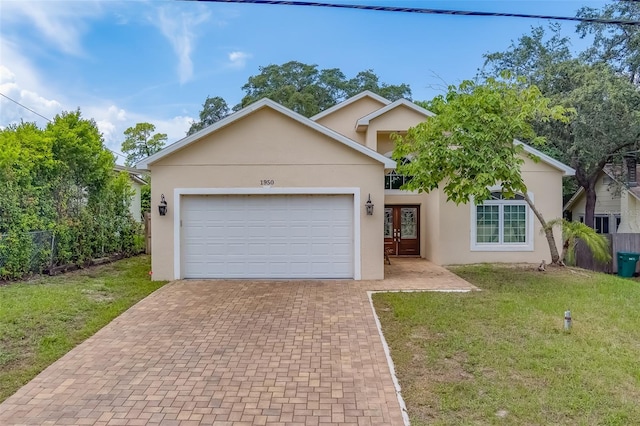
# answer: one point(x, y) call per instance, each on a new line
point(369, 206)
point(162, 207)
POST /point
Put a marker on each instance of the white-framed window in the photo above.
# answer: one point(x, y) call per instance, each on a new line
point(501, 224)
point(393, 181)
point(602, 223)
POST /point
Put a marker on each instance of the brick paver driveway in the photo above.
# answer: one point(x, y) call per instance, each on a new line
point(231, 352)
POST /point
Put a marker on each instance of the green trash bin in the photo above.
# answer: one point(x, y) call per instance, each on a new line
point(627, 264)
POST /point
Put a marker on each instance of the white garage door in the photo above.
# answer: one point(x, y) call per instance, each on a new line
point(267, 236)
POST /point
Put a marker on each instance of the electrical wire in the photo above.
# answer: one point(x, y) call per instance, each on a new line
point(50, 120)
point(26, 107)
point(429, 11)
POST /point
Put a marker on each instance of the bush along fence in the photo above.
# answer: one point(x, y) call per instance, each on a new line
point(25, 253)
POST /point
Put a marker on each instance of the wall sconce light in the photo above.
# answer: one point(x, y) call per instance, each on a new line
point(162, 207)
point(369, 206)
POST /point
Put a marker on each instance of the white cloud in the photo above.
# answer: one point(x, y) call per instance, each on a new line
point(238, 59)
point(178, 27)
point(38, 105)
point(60, 24)
point(111, 119)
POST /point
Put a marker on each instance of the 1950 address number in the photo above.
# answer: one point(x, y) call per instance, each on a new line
point(267, 182)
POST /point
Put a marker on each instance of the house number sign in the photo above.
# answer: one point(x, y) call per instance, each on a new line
point(267, 182)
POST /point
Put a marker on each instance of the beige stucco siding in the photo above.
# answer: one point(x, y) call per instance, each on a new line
point(385, 143)
point(265, 137)
point(344, 120)
point(269, 146)
point(398, 119)
point(454, 243)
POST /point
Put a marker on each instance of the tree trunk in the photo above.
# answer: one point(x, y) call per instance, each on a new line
point(548, 232)
point(590, 206)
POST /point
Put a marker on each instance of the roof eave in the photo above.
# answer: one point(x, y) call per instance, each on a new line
point(566, 170)
point(336, 107)
point(145, 163)
point(363, 122)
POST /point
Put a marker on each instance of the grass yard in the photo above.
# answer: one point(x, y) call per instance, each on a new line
point(501, 356)
point(42, 319)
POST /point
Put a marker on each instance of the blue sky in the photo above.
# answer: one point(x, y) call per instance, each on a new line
point(156, 61)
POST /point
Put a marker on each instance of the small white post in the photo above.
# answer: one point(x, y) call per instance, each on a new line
point(567, 320)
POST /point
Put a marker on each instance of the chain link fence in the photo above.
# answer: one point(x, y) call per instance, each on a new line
point(28, 252)
point(24, 253)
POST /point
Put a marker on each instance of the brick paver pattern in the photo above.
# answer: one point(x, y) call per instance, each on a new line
point(230, 352)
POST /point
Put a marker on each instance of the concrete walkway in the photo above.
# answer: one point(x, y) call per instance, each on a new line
point(232, 352)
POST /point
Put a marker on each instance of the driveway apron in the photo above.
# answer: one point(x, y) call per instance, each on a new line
point(224, 352)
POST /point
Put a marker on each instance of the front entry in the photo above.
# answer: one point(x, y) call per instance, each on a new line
point(402, 230)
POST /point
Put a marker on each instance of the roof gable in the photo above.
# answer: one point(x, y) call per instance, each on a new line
point(134, 174)
point(607, 170)
point(263, 103)
point(351, 100)
point(364, 121)
point(566, 170)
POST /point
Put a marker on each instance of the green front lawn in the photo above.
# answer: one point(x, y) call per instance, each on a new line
point(42, 319)
point(501, 356)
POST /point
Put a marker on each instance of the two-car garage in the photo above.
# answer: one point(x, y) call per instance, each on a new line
point(267, 236)
point(266, 193)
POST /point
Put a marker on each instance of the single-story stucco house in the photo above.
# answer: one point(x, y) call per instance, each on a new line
point(268, 193)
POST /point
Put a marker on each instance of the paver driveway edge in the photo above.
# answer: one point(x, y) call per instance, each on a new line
point(387, 351)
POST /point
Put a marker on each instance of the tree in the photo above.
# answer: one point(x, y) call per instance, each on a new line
point(61, 201)
point(140, 143)
point(368, 80)
point(607, 122)
point(572, 232)
point(78, 147)
point(308, 91)
point(617, 45)
point(469, 146)
point(213, 109)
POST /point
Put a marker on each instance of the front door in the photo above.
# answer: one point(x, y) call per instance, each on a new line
point(402, 230)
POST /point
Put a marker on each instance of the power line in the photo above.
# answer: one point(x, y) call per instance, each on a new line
point(429, 11)
point(26, 107)
point(51, 121)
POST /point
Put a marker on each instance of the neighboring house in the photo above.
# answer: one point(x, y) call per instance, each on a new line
point(268, 193)
point(137, 182)
point(617, 203)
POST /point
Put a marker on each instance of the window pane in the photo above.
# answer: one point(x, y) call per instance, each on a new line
point(395, 181)
point(487, 224)
point(515, 224)
point(601, 224)
point(388, 223)
point(409, 223)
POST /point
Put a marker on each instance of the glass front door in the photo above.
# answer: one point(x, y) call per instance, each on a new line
point(402, 230)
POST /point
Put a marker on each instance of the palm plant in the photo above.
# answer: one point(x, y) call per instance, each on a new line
point(574, 231)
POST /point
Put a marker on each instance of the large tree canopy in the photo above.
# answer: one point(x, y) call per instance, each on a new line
point(307, 90)
point(140, 142)
point(468, 147)
point(213, 109)
point(607, 122)
point(302, 88)
point(617, 45)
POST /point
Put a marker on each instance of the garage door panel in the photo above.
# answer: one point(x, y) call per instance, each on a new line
point(254, 236)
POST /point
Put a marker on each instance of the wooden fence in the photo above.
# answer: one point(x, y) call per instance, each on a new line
point(147, 232)
point(617, 243)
